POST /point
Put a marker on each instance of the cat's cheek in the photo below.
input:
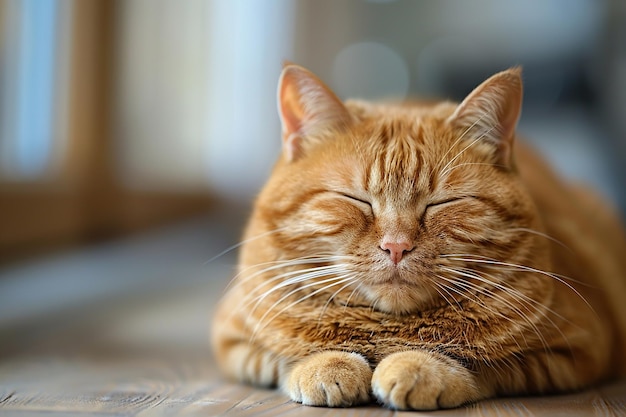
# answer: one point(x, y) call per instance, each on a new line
point(337, 222)
point(458, 226)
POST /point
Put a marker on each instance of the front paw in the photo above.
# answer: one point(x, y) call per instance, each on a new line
point(332, 378)
point(419, 380)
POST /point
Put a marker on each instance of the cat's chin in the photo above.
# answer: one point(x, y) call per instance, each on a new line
point(397, 297)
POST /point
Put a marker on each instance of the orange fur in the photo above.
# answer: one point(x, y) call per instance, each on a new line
point(424, 243)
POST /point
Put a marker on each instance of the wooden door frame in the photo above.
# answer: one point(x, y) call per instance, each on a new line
point(87, 202)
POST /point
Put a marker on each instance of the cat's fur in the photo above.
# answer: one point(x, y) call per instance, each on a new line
point(419, 255)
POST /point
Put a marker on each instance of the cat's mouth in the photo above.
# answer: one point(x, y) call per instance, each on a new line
point(394, 278)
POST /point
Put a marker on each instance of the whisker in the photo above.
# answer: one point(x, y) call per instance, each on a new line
point(508, 288)
point(521, 298)
point(501, 299)
point(544, 235)
point(347, 303)
point(350, 282)
point(472, 286)
point(560, 278)
point(511, 291)
point(477, 300)
point(236, 245)
point(447, 171)
point(288, 278)
point(444, 288)
point(300, 276)
point(460, 138)
point(514, 267)
point(338, 281)
point(281, 264)
point(475, 141)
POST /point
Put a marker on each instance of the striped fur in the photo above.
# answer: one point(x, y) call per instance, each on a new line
point(513, 284)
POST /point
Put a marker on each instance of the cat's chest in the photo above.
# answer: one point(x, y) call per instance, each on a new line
point(374, 334)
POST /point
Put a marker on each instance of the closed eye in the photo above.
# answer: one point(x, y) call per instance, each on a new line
point(357, 200)
point(445, 201)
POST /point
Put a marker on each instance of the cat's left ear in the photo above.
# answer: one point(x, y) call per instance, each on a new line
point(307, 109)
point(491, 112)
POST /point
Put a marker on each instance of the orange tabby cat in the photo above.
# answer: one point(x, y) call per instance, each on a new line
point(418, 254)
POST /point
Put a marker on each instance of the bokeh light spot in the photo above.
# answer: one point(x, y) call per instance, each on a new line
point(370, 70)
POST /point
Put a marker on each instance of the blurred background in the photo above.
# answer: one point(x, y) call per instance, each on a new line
point(121, 118)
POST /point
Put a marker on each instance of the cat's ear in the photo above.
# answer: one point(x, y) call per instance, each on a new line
point(307, 108)
point(491, 112)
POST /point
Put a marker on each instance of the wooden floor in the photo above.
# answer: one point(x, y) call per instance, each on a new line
point(142, 350)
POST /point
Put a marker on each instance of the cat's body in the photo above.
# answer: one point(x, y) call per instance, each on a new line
point(419, 254)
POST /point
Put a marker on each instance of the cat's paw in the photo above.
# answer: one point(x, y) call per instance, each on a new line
point(332, 378)
point(419, 380)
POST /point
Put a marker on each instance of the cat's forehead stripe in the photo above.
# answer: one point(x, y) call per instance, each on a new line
point(398, 165)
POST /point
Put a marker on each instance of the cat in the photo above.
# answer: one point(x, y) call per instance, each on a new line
point(419, 255)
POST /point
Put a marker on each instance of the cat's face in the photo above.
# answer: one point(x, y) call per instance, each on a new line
point(399, 199)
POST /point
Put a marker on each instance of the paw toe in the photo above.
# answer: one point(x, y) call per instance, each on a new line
point(418, 380)
point(333, 379)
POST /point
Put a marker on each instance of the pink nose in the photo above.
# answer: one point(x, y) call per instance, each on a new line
point(396, 250)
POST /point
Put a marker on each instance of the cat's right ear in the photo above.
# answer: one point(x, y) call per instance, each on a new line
point(491, 111)
point(307, 108)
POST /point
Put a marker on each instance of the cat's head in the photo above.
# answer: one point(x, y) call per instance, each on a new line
point(408, 205)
